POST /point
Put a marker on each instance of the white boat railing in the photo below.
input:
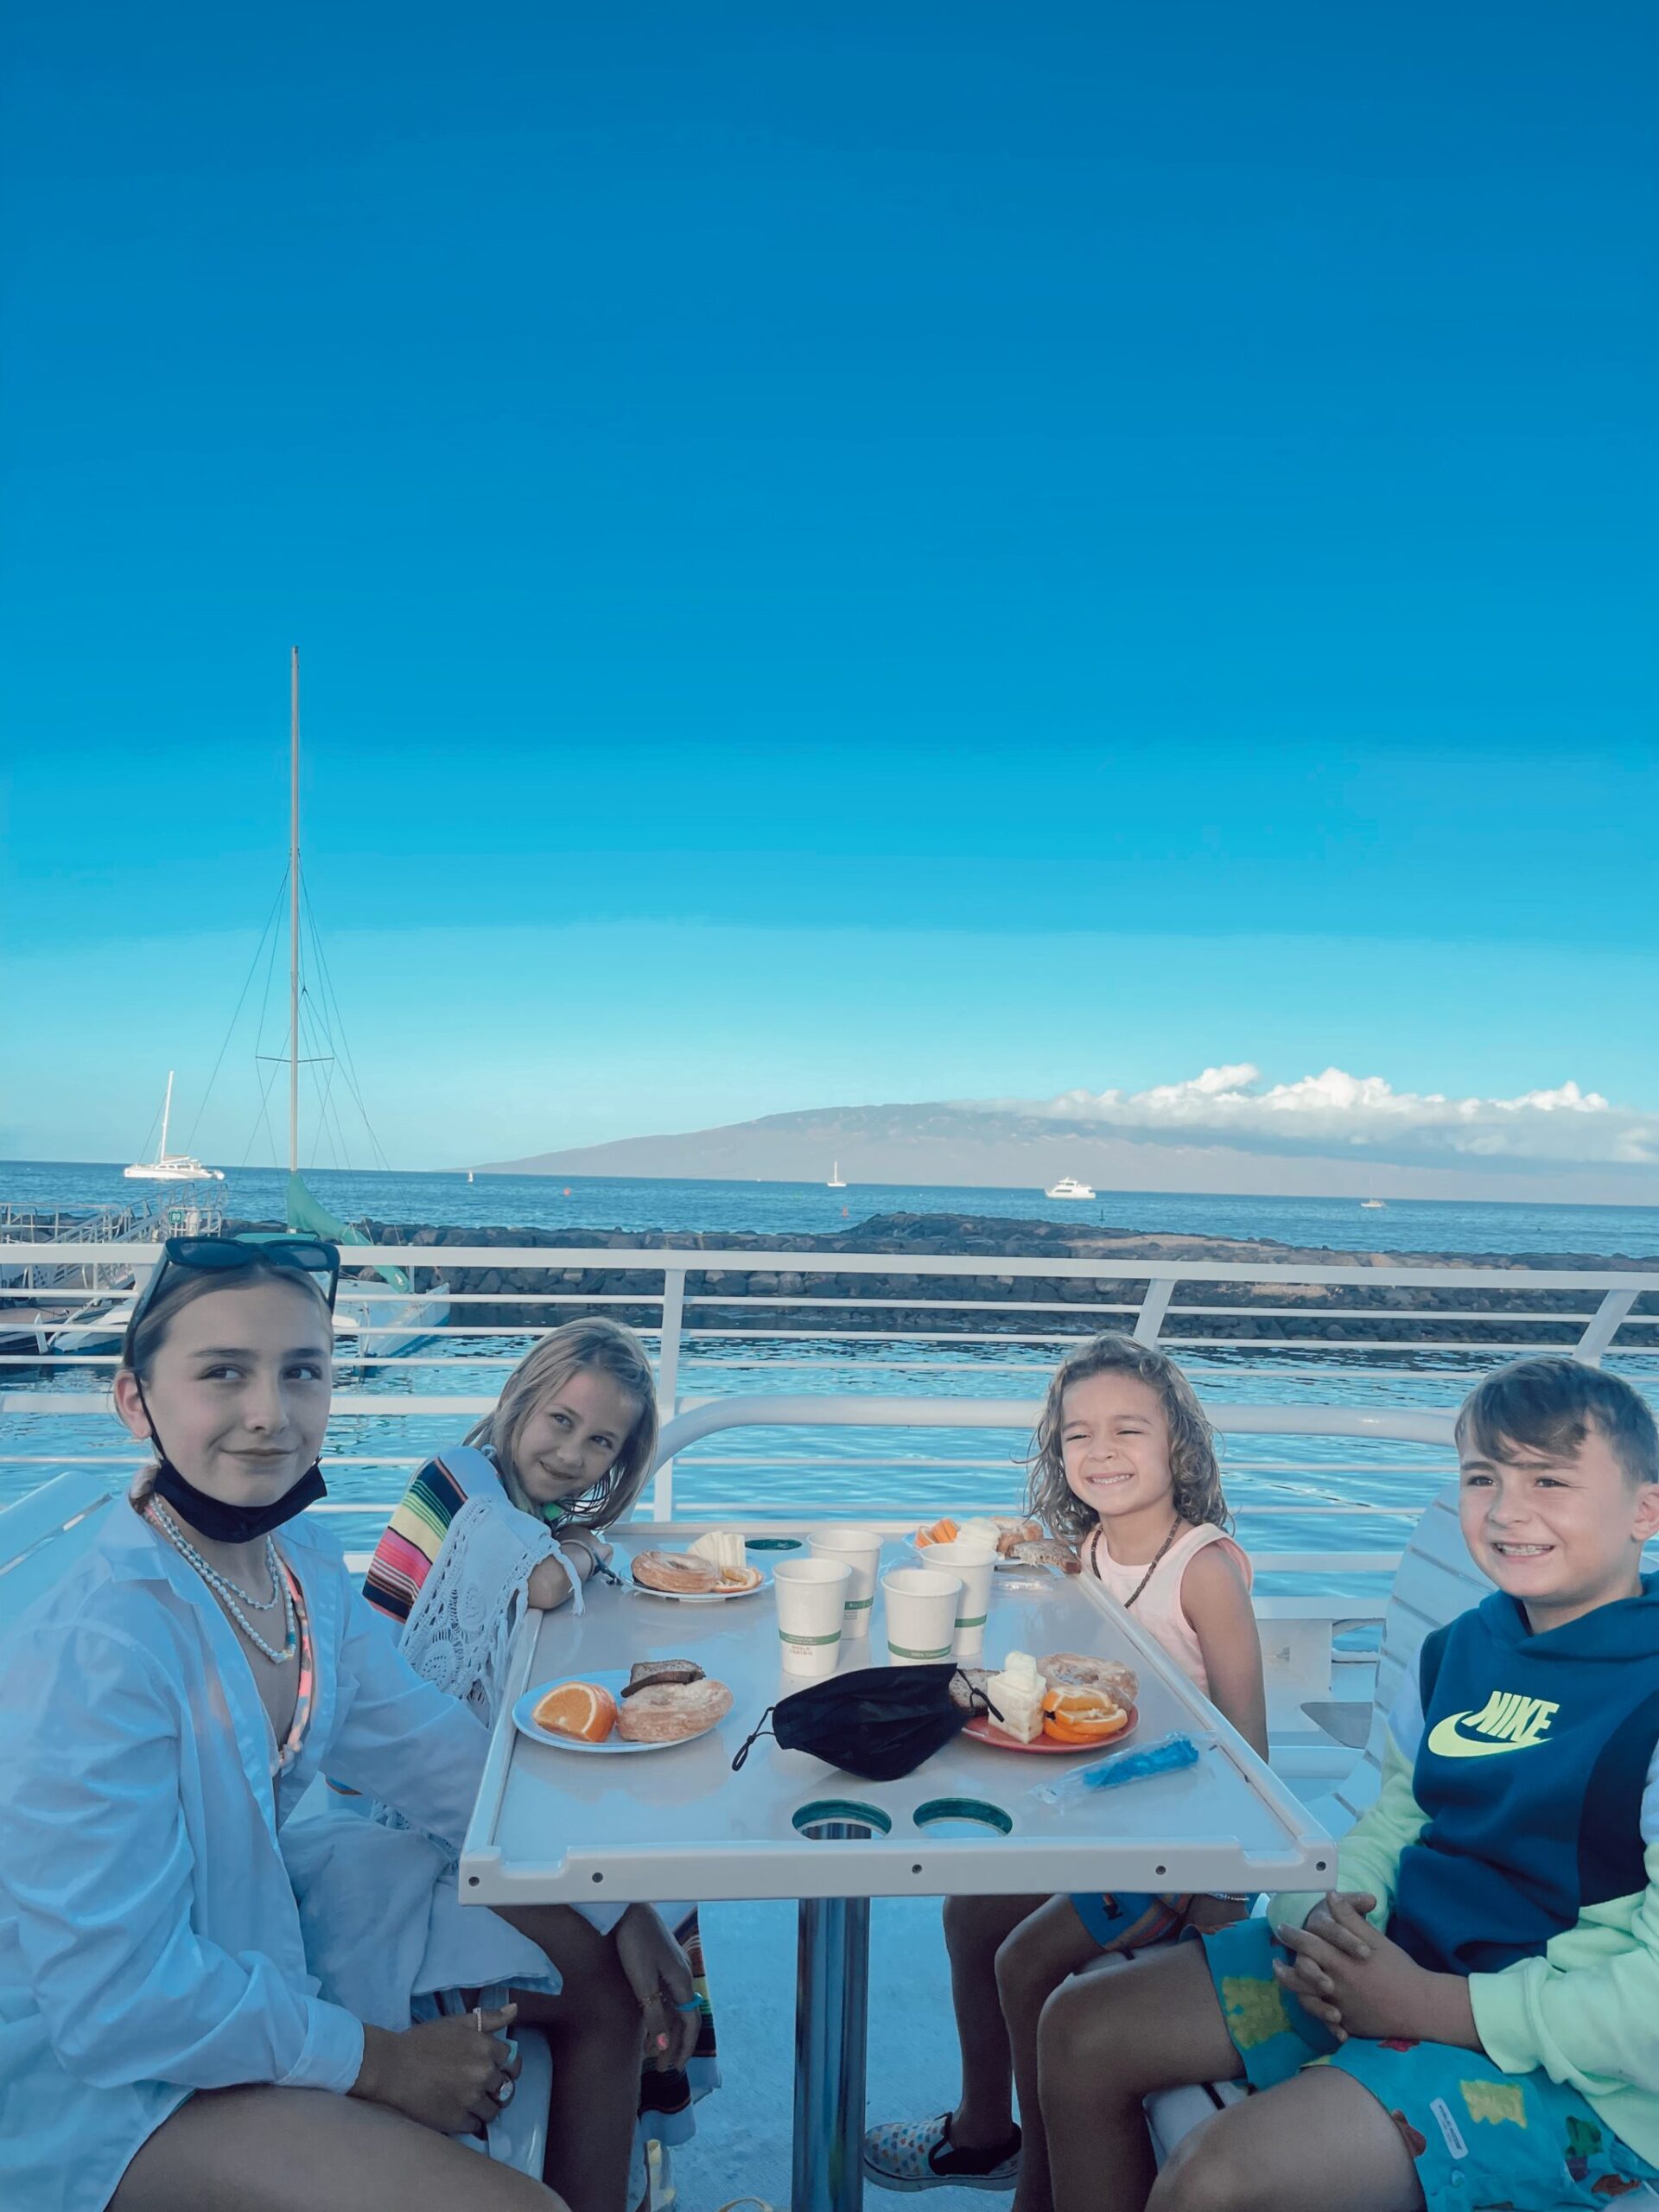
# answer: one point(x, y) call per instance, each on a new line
point(704, 1322)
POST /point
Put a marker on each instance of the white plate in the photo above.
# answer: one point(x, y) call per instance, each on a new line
point(699, 1597)
point(608, 1678)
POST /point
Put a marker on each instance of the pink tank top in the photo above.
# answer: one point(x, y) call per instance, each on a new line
point(1159, 1609)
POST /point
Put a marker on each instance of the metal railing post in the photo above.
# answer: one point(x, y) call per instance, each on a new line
point(1605, 1325)
point(1153, 1307)
point(668, 1383)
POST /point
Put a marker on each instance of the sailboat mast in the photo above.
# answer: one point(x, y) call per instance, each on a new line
point(167, 1110)
point(293, 913)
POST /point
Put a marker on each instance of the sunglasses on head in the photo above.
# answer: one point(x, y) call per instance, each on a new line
point(228, 1256)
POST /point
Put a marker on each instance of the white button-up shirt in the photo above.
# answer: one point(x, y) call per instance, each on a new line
point(149, 1942)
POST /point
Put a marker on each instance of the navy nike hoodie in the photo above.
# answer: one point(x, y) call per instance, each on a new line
point(1534, 1760)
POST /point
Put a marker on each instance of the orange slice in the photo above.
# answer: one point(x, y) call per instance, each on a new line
point(583, 1710)
point(1082, 1716)
point(941, 1532)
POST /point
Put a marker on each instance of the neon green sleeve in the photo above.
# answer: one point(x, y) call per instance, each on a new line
point(1587, 2011)
point(1368, 1857)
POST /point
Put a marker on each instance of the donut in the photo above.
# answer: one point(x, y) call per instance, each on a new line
point(644, 1671)
point(678, 1572)
point(1010, 1532)
point(1071, 1670)
point(586, 1711)
point(1046, 1551)
point(662, 1713)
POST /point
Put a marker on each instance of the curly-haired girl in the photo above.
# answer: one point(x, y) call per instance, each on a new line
point(1123, 1465)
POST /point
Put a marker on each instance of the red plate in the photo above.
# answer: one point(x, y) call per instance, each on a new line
point(984, 1729)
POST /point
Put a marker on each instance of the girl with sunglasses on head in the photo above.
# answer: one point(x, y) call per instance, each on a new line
point(516, 1517)
point(167, 2037)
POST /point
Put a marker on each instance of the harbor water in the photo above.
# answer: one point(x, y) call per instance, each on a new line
point(1298, 1495)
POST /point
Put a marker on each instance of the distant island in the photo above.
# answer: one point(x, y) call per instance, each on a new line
point(952, 1145)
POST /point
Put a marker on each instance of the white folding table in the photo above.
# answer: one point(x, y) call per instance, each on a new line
point(555, 1827)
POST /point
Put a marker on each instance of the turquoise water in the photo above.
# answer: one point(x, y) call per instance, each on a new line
point(796, 1472)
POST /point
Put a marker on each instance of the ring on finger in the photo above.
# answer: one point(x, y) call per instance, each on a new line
point(504, 2093)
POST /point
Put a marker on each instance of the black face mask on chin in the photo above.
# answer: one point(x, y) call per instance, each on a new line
point(212, 1517)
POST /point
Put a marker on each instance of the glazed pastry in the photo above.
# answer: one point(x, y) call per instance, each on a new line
point(1017, 1695)
point(584, 1710)
point(1046, 1551)
point(1071, 1670)
point(678, 1572)
point(1010, 1532)
point(644, 1671)
point(663, 1713)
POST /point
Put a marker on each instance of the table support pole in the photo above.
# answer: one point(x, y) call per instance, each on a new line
point(831, 2021)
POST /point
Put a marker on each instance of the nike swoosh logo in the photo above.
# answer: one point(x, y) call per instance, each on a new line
point(1446, 1742)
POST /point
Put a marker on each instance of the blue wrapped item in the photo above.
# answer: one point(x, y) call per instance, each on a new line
point(1168, 1756)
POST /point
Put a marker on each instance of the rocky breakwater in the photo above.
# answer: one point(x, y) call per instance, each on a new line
point(1375, 1311)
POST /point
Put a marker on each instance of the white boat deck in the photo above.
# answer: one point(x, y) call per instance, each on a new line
point(1320, 1646)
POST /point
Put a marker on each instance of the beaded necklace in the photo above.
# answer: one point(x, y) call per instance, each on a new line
point(232, 1595)
point(1157, 1561)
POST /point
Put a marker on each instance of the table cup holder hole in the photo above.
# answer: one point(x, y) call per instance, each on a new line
point(840, 1820)
point(974, 1812)
point(773, 1544)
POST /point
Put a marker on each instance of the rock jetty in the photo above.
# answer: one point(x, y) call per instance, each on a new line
point(1338, 1313)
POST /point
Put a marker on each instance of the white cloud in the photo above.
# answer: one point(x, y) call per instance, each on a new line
point(1234, 1105)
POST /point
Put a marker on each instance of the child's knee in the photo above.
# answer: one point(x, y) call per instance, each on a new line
point(974, 1924)
point(1206, 2172)
point(1081, 2035)
point(1025, 1975)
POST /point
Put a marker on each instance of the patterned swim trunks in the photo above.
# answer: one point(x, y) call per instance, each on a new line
point(1479, 2136)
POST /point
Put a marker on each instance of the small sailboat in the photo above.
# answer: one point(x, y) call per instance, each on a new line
point(835, 1182)
point(172, 1166)
point(1372, 1205)
point(1069, 1187)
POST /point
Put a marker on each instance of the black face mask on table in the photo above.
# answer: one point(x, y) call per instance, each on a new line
point(879, 1723)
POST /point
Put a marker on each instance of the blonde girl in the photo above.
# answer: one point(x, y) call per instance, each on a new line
point(1124, 1467)
point(515, 1518)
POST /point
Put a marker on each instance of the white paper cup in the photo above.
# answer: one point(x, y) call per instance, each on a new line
point(861, 1550)
point(975, 1562)
point(811, 1599)
point(921, 1603)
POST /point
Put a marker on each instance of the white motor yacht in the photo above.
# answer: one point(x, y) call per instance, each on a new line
point(1069, 1187)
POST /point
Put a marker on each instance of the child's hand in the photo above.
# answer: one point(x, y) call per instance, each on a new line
point(660, 1977)
point(1362, 1984)
point(1308, 1981)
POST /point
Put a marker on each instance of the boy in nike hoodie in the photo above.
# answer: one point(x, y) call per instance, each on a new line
point(1472, 2018)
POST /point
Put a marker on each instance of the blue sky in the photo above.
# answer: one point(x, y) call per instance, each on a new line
point(840, 553)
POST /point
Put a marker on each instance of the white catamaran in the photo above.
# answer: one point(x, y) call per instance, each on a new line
point(172, 1166)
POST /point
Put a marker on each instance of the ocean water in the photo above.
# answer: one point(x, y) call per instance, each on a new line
point(782, 1209)
point(1303, 1495)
